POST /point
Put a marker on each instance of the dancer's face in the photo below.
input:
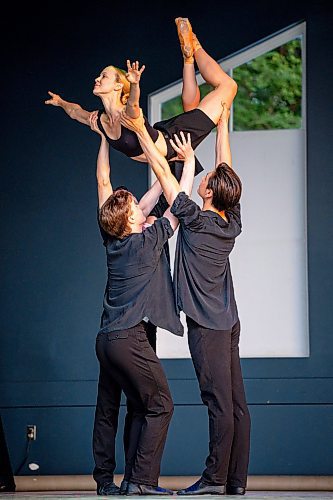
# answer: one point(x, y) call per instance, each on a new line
point(202, 189)
point(136, 217)
point(106, 82)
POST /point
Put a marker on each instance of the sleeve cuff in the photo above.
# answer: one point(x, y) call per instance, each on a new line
point(179, 200)
point(167, 226)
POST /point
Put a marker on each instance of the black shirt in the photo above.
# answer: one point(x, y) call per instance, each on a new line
point(139, 282)
point(158, 210)
point(202, 277)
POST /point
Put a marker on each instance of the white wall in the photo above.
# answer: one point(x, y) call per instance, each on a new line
point(269, 261)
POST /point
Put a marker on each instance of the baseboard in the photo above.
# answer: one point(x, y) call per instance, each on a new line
point(255, 483)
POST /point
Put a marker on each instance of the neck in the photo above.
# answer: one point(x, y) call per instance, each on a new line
point(207, 205)
point(136, 228)
point(112, 105)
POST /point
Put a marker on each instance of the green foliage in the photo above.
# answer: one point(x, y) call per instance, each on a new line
point(270, 90)
point(171, 108)
point(174, 106)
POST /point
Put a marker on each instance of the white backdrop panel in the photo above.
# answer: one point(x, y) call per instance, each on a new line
point(269, 261)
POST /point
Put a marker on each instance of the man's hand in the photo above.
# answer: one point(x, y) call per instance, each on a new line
point(134, 124)
point(93, 123)
point(133, 74)
point(55, 100)
point(222, 145)
point(183, 147)
point(224, 118)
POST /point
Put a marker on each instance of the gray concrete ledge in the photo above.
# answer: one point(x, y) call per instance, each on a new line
point(255, 483)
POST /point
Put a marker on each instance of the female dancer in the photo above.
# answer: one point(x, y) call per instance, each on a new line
point(120, 93)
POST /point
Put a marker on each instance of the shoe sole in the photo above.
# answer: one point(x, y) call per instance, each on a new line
point(185, 36)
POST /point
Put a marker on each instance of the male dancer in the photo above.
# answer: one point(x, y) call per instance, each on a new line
point(137, 269)
point(204, 291)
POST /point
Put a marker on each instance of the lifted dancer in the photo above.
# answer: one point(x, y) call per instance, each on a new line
point(120, 92)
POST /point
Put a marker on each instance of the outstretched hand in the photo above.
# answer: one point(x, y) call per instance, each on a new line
point(133, 74)
point(183, 147)
point(55, 99)
point(134, 124)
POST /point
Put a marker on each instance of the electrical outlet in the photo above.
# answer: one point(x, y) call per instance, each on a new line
point(31, 432)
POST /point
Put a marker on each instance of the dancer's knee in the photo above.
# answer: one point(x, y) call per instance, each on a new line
point(227, 88)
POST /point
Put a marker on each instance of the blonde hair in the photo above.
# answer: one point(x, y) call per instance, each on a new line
point(121, 78)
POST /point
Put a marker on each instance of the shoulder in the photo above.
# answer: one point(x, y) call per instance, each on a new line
point(160, 226)
point(184, 202)
point(187, 211)
point(234, 213)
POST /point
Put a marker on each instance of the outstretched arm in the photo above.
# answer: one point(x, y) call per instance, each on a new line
point(159, 164)
point(133, 75)
point(185, 151)
point(150, 198)
point(222, 145)
point(104, 186)
point(73, 110)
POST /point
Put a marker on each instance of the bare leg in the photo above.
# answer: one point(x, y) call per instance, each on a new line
point(190, 90)
point(225, 88)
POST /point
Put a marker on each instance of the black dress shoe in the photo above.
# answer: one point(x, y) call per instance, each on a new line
point(234, 490)
point(123, 487)
point(144, 489)
point(201, 488)
point(108, 488)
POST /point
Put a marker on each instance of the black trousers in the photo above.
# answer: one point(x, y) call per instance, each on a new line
point(128, 363)
point(215, 356)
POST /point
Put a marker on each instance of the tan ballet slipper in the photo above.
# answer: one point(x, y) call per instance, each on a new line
point(196, 43)
point(184, 30)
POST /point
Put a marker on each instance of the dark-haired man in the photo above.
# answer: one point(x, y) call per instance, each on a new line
point(204, 291)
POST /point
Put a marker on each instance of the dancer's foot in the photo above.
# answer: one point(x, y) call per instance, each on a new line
point(234, 490)
point(184, 30)
point(196, 43)
point(201, 488)
point(108, 488)
point(143, 489)
point(123, 487)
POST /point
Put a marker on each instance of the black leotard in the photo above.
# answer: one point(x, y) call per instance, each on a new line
point(128, 142)
point(195, 122)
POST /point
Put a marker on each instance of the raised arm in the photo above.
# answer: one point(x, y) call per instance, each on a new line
point(73, 110)
point(158, 163)
point(133, 75)
point(150, 198)
point(222, 145)
point(104, 186)
point(185, 151)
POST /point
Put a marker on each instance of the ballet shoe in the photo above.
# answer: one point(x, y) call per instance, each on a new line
point(184, 30)
point(196, 43)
